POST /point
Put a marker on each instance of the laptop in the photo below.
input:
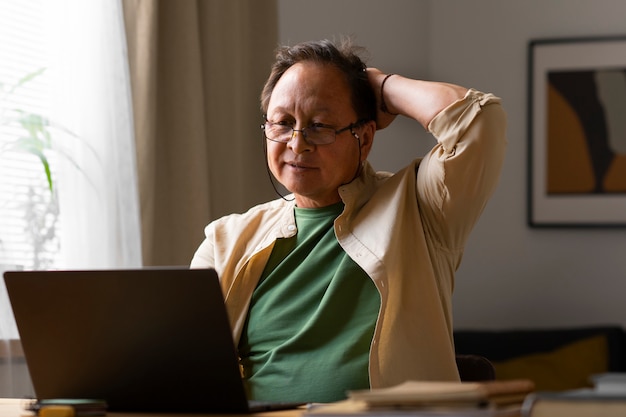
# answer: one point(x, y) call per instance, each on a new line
point(144, 340)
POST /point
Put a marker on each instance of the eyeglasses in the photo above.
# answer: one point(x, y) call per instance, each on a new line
point(316, 134)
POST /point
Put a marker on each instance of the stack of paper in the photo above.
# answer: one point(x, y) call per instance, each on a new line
point(611, 383)
point(421, 398)
point(607, 399)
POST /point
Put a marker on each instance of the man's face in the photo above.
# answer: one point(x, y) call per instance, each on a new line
point(309, 93)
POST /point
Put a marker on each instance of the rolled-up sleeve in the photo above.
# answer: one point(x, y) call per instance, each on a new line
point(457, 178)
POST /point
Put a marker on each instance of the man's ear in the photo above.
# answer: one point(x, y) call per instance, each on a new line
point(366, 137)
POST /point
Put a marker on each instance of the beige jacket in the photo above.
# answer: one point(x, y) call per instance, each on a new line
point(406, 230)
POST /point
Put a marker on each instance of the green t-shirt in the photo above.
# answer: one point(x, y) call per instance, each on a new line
point(311, 318)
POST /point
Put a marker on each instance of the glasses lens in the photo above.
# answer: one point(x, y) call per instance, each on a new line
point(277, 132)
point(319, 135)
point(316, 135)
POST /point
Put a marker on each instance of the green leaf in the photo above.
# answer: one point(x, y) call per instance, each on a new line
point(37, 129)
point(34, 147)
point(25, 79)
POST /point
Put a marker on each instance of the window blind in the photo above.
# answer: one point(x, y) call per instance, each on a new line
point(28, 209)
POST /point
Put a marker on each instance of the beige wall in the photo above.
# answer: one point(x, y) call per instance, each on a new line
point(512, 276)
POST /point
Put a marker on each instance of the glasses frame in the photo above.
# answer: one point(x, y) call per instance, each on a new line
point(350, 127)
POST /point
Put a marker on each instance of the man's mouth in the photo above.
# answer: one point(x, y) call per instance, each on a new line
point(299, 165)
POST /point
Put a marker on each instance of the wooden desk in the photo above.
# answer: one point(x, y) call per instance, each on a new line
point(14, 407)
point(285, 413)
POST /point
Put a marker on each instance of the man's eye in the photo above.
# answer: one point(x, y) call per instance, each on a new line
point(283, 123)
point(320, 126)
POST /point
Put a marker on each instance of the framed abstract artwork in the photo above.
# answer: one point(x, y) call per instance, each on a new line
point(577, 132)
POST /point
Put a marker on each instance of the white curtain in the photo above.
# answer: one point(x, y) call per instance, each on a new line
point(97, 184)
point(99, 200)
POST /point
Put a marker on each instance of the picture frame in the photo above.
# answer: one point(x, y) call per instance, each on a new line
point(577, 132)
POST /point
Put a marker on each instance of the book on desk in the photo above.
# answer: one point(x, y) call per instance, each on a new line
point(423, 399)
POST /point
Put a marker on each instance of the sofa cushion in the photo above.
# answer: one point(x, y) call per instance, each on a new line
point(564, 368)
point(538, 350)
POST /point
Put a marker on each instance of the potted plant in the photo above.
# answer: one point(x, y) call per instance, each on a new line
point(36, 129)
point(34, 134)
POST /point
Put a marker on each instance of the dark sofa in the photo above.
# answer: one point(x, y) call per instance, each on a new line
point(555, 358)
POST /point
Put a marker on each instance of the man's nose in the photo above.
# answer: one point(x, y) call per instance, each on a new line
point(298, 142)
